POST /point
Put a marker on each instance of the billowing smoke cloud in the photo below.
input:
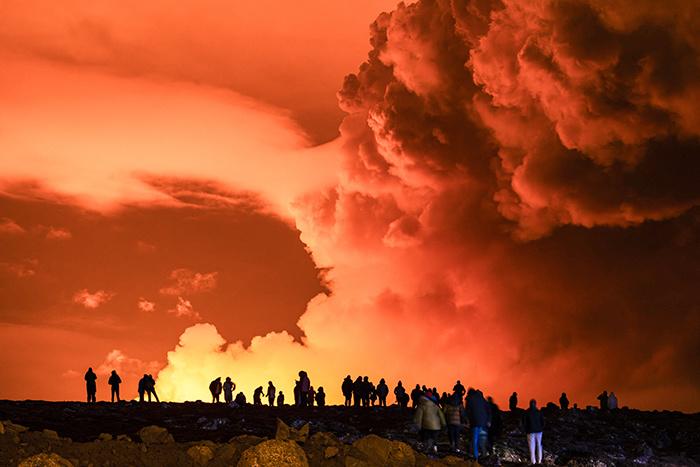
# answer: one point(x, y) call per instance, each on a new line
point(518, 205)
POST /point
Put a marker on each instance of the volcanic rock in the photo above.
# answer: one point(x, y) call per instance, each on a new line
point(45, 460)
point(380, 451)
point(155, 435)
point(274, 452)
point(200, 454)
point(285, 432)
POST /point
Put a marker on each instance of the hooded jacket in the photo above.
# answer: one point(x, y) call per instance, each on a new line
point(428, 415)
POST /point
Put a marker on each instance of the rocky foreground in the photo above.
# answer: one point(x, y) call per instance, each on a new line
point(165, 434)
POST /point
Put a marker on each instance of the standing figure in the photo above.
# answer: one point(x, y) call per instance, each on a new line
point(357, 391)
point(496, 427)
point(564, 401)
point(415, 395)
point(366, 389)
point(382, 392)
point(151, 388)
point(142, 387)
point(454, 416)
point(228, 387)
point(533, 424)
point(91, 385)
point(513, 402)
point(346, 388)
point(612, 401)
point(459, 390)
point(401, 396)
point(430, 420)
point(215, 387)
point(297, 393)
point(280, 399)
point(479, 420)
point(304, 387)
point(270, 394)
point(321, 397)
point(257, 395)
point(311, 396)
point(114, 381)
point(603, 399)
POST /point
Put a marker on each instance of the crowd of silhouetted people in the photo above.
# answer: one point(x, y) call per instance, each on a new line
point(457, 411)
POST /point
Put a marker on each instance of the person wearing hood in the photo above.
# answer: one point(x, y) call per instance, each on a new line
point(564, 401)
point(533, 424)
point(429, 419)
point(382, 392)
point(114, 382)
point(454, 416)
point(612, 401)
point(91, 385)
point(479, 418)
point(321, 397)
point(346, 388)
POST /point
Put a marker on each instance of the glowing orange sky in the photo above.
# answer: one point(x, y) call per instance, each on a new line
point(204, 189)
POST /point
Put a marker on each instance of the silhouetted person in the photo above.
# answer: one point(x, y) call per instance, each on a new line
point(443, 399)
point(372, 394)
point(280, 399)
point(91, 385)
point(513, 402)
point(321, 397)
point(612, 401)
point(304, 387)
point(151, 388)
point(401, 396)
point(311, 396)
point(415, 395)
point(346, 388)
point(564, 401)
point(454, 416)
point(366, 389)
point(603, 399)
point(496, 427)
point(357, 391)
point(215, 387)
point(382, 392)
point(459, 390)
point(257, 395)
point(430, 420)
point(240, 399)
point(533, 424)
point(478, 413)
point(228, 387)
point(142, 387)
point(114, 382)
point(297, 393)
point(270, 394)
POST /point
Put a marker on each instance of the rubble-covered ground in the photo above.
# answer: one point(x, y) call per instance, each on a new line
point(130, 433)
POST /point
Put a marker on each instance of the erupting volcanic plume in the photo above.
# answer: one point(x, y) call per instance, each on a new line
point(513, 200)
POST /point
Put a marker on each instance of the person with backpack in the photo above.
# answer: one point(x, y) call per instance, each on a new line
point(430, 420)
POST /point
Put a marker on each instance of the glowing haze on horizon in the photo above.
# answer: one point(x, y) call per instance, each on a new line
point(502, 192)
